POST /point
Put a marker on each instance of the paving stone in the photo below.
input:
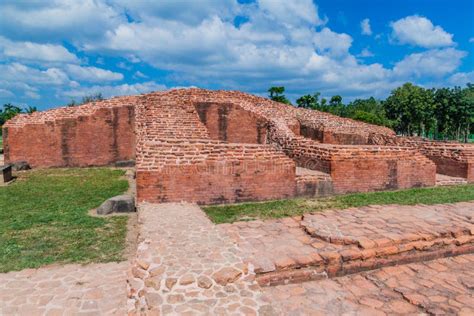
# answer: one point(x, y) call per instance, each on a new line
point(98, 289)
point(202, 268)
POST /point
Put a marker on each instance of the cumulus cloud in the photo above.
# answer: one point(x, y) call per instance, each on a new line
point(366, 53)
point(5, 93)
point(461, 78)
point(435, 62)
point(420, 31)
point(365, 27)
point(333, 43)
point(232, 45)
point(113, 90)
point(35, 52)
point(17, 72)
point(58, 19)
point(92, 74)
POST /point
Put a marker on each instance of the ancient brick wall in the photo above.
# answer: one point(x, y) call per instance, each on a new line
point(185, 138)
point(451, 158)
point(358, 168)
point(212, 172)
point(229, 122)
point(90, 135)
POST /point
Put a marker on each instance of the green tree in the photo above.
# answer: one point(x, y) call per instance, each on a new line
point(276, 94)
point(412, 109)
point(8, 112)
point(31, 109)
point(309, 101)
point(465, 112)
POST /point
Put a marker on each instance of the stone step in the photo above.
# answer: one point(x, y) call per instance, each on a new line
point(336, 243)
point(443, 180)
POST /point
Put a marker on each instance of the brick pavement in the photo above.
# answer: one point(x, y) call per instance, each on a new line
point(340, 242)
point(440, 287)
point(95, 289)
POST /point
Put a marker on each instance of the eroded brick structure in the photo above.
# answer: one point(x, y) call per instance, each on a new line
point(225, 146)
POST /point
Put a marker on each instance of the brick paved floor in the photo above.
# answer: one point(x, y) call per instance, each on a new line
point(96, 289)
point(439, 287)
point(352, 240)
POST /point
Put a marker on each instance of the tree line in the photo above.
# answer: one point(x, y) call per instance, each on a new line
point(437, 113)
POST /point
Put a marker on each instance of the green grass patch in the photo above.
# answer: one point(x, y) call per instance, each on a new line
point(283, 208)
point(44, 218)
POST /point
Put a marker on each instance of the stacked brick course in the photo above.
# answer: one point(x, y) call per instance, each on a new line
point(177, 132)
point(93, 134)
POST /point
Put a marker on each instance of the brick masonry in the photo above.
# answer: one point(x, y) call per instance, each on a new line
point(183, 140)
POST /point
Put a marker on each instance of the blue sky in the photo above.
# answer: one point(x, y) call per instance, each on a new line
point(55, 51)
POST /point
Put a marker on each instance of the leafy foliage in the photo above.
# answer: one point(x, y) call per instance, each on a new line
point(276, 94)
point(444, 113)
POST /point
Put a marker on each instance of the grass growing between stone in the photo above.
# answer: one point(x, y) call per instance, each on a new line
point(44, 218)
point(292, 207)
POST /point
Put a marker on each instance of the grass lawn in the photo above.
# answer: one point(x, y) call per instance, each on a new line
point(44, 218)
point(282, 208)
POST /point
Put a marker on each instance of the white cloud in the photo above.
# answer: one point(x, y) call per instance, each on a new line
point(21, 73)
point(113, 90)
point(92, 74)
point(193, 14)
point(461, 78)
point(435, 62)
point(335, 44)
point(365, 26)
point(274, 42)
point(292, 12)
point(35, 52)
point(139, 74)
point(4, 93)
point(366, 53)
point(419, 31)
point(58, 19)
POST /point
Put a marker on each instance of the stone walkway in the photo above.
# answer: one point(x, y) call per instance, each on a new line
point(187, 265)
point(96, 289)
point(440, 287)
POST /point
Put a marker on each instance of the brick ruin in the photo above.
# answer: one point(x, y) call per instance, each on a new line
point(213, 147)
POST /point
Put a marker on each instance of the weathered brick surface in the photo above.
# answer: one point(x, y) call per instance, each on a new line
point(341, 242)
point(210, 172)
point(357, 156)
point(451, 158)
point(94, 134)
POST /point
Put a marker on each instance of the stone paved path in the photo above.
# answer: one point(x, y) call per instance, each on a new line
point(96, 289)
point(439, 287)
point(187, 265)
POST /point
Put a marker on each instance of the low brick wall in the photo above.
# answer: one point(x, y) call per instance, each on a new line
point(212, 173)
point(94, 135)
point(358, 168)
point(375, 174)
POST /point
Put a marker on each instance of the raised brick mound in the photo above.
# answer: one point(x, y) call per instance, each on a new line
point(183, 140)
